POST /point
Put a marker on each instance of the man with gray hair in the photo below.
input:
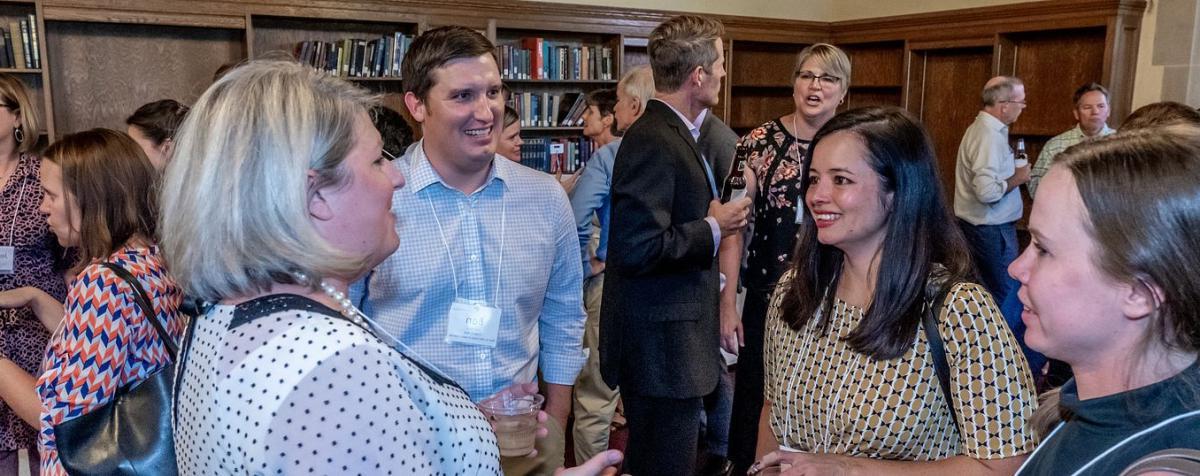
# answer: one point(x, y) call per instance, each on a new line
point(987, 199)
point(659, 322)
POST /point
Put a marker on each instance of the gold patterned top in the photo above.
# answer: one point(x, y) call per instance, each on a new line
point(827, 398)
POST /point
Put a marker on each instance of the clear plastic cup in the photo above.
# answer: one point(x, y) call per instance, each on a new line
point(515, 422)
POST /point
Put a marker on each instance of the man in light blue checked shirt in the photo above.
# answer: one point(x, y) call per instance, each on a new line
point(487, 286)
point(1091, 112)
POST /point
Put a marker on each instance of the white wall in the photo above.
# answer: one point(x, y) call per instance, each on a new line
point(1148, 80)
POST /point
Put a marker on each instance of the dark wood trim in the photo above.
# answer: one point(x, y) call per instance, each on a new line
point(973, 22)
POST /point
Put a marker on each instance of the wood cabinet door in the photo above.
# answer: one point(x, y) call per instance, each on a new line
point(945, 88)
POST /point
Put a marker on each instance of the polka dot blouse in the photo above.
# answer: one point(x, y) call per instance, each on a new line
point(284, 385)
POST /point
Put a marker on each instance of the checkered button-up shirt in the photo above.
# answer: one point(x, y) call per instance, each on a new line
point(511, 243)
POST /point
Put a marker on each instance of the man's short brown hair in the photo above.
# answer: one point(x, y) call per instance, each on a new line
point(1087, 88)
point(435, 48)
point(679, 45)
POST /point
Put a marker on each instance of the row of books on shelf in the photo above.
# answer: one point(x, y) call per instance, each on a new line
point(537, 58)
point(19, 44)
point(549, 109)
point(553, 155)
point(357, 58)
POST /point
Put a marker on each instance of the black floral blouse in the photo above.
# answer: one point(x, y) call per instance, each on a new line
point(777, 159)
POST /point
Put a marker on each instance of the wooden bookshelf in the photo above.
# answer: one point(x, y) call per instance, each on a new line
point(37, 78)
point(934, 64)
point(513, 35)
point(759, 81)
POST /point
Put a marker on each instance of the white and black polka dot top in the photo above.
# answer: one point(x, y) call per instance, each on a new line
point(284, 385)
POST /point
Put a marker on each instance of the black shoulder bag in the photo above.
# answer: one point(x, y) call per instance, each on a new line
point(938, 350)
point(131, 434)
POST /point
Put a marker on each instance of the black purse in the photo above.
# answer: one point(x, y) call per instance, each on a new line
point(131, 434)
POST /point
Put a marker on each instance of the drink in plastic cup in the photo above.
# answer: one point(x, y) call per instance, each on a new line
point(515, 422)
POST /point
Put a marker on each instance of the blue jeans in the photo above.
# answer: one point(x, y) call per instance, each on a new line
point(993, 248)
point(715, 418)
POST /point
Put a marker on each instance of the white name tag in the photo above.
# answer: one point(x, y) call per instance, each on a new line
point(6, 259)
point(473, 323)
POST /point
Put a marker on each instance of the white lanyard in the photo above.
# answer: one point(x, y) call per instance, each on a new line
point(450, 254)
point(809, 332)
point(1111, 448)
point(12, 228)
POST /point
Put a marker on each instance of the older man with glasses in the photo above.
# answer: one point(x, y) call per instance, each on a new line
point(987, 199)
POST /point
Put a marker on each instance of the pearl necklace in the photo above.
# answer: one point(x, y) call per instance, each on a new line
point(354, 315)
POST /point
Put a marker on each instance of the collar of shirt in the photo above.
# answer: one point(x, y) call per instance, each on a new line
point(991, 122)
point(694, 129)
point(421, 173)
point(1103, 131)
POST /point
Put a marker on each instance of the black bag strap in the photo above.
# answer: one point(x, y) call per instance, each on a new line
point(938, 350)
point(143, 301)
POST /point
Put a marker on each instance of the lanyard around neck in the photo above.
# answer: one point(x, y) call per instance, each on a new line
point(450, 253)
point(12, 227)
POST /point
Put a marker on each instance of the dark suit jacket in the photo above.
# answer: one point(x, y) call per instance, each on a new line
point(659, 323)
point(718, 143)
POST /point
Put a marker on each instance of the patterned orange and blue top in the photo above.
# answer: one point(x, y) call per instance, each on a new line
point(104, 342)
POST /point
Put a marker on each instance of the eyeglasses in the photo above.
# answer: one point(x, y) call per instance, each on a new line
point(388, 155)
point(823, 80)
point(1022, 103)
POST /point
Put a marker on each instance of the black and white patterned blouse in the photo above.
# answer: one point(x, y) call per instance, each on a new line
point(284, 385)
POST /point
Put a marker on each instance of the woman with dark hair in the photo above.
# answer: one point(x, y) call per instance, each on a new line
point(852, 371)
point(153, 127)
point(775, 154)
point(509, 143)
point(99, 199)
point(1108, 286)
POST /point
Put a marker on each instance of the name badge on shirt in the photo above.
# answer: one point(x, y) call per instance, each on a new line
point(6, 259)
point(473, 323)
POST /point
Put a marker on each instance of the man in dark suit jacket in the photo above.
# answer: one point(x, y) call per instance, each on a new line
point(659, 329)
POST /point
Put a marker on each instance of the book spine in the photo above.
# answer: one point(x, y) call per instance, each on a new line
point(8, 49)
point(33, 39)
point(3, 49)
point(25, 44)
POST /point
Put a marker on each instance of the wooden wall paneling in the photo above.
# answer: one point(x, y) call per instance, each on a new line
point(723, 109)
point(914, 72)
point(634, 53)
point(877, 74)
point(1004, 62)
point(762, 64)
point(872, 96)
point(751, 107)
point(760, 82)
point(1122, 36)
point(985, 21)
point(876, 64)
point(951, 81)
point(1052, 65)
point(104, 71)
